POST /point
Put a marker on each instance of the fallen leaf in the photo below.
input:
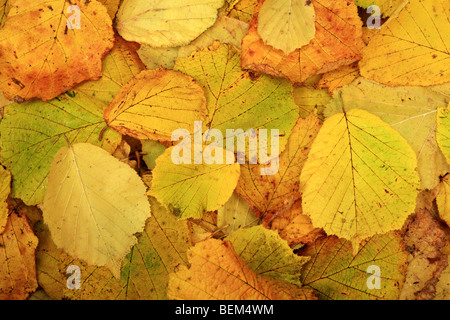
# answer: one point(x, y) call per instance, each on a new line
point(155, 103)
point(243, 10)
point(336, 274)
point(311, 101)
point(339, 77)
point(409, 110)
point(266, 253)
point(235, 214)
point(424, 237)
point(225, 30)
point(443, 199)
point(151, 151)
point(411, 49)
point(268, 194)
point(287, 24)
point(17, 259)
point(39, 52)
point(236, 99)
point(360, 178)
point(89, 214)
point(5, 189)
point(443, 131)
point(216, 272)
point(165, 23)
point(198, 187)
point(112, 6)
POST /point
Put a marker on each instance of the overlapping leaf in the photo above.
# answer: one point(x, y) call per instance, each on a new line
point(188, 189)
point(166, 23)
point(236, 99)
point(412, 111)
point(32, 132)
point(336, 274)
point(275, 193)
point(337, 42)
point(17, 264)
point(287, 24)
point(266, 253)
point(39, 52)
point(91, 213)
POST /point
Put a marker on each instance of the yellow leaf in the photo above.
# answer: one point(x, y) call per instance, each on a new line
point(5, 189)
point(293, 226)
point(188, 189)
point(287, 24)
point(120, 65)
point(17, 261)
point(339, 77)
point(155, 103)
point(112, 6)
point(94, 204)
point(243, 10)
point(40, 53)
point(360, 178)
point(235, 214)
point(337, 42)
point(411, 49)
point(443, 131)
point(217, 273)
point(409, 110)
point(165, 23)
point(225, 30)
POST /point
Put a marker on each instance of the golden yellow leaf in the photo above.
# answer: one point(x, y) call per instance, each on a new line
point(189, 189)
point(165, 23)
point(216, 272)
point(155, 103)
point(286, 24)
point(39, 52)
point(411, 49)
point(94, 204)
point(360, 178)
point(235, 214)
point(17, 259)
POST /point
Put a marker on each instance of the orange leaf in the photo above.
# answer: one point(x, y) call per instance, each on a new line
point(217, 272)
point(338, 42)
point(41, 57)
